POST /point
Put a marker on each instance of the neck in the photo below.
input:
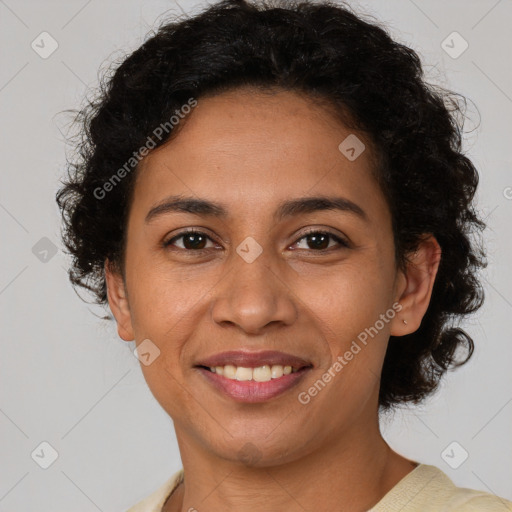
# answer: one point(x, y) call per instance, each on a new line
point(355, 469)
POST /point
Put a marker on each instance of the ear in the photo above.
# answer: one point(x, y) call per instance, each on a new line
point(415, 286)
point(118, 301)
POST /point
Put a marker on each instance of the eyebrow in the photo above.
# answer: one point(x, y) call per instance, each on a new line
point(290, 208)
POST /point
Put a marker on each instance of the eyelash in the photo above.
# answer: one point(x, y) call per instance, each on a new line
point(343, 243)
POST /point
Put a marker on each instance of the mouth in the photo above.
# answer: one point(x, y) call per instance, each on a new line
point(263, 373)
point(253, 376)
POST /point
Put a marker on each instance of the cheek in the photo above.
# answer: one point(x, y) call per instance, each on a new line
point(167, 314)
point(168, 388)
point(162, 299)
point(347, 308)
point(347, 299)
point(347, 314)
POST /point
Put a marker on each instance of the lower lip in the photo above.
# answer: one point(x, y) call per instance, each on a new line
point(250, 390)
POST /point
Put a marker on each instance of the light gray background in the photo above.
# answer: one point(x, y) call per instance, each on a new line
point(67, 379)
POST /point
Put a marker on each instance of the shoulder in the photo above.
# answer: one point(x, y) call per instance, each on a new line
point(477, 501)
point(155, 501)
point(428, 489)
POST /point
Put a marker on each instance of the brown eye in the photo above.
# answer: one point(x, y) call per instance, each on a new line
point(191, 241)
point(319, 241)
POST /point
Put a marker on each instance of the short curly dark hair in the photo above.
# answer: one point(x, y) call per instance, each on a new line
point(325, 50)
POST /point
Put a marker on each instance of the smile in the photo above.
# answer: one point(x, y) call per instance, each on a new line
point(245, 386)
point(260, 374)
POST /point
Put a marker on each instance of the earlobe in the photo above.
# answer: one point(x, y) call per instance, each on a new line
point(118, 301)
point(416, 286)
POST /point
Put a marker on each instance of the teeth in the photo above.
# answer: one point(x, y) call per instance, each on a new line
point(260, 374)
point(230, 371)
point(277, 371)
point(243, 373)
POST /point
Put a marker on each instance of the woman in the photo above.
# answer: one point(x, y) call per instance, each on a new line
point(276, 208)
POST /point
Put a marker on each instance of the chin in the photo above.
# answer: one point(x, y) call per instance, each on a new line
point(260, 451)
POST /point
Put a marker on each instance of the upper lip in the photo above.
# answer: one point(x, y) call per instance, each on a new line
point(254, 359)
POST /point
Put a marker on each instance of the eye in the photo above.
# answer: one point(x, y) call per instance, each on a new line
point(196, 241)
point(192, 240)
point(318, 241)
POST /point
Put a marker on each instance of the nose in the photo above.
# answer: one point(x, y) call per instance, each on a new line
point(252, 296)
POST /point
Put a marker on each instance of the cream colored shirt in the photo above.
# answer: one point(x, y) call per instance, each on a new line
point(425, 489)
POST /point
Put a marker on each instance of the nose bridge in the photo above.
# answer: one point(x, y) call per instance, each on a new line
point(251, 295)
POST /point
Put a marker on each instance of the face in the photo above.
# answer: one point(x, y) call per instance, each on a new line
point(268, 269)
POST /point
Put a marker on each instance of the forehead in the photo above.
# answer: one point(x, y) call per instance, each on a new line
point(255, 148)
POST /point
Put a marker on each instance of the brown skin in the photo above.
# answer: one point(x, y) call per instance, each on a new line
point(252, 151)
